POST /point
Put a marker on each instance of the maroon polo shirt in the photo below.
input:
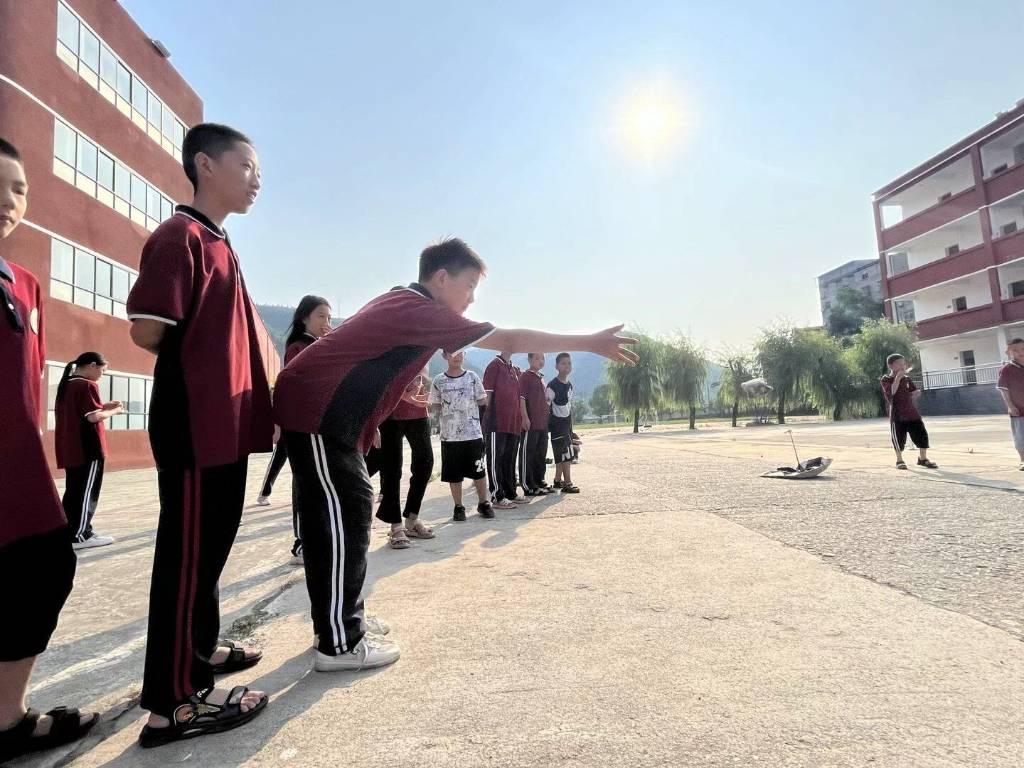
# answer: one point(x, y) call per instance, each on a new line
point(1011, 381)
point(77, 440)
point(901, 402)
point(30, 504)
point(533, 391)
point(297, 346)
point(501, 380)
point(211, 401)
point(352, 379)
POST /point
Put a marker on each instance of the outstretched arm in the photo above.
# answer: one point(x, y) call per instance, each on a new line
point(606, 343)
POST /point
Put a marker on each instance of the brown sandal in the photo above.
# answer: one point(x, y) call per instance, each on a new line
point(419, 531)
point(398, 540)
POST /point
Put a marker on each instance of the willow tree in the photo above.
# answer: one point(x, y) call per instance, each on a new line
point(685, 369)
point(639, 387)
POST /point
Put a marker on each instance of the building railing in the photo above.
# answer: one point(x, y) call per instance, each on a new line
point(958, 377)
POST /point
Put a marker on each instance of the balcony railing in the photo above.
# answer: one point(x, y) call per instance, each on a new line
point(959, 377)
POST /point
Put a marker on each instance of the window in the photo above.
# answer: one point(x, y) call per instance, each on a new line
point(152, 203)
point(1016, 289)
point(67, 28)
point(166, 209)
point(959, 303)
point(898, 263)
point(91, 281)
point(89, 52)
point(108, 67)
point(1008, 229)
point(952, 250)
point(155, 115)
point(168, 125)
point(122, 181)
point(86, 158)
point(904, 311)
point(179, 135)
point(139, 193)
point(64, 142)
point(124, 82)
point(105, 171)
point(139, 95)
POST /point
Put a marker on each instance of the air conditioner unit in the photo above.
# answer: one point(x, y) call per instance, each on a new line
point(999, 169)
point(945, 196)
point(1008, 229)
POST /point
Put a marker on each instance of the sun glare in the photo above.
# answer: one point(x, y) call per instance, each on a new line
point(650, 122)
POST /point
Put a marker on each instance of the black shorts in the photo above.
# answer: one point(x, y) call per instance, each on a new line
point(37, 573)
point(916, 430)
point(561, 439)
point(463, 460)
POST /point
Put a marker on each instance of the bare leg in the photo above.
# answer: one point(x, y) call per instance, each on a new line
point(482, 493)
point(14, 677)
point(457, 493)
point(565, 470)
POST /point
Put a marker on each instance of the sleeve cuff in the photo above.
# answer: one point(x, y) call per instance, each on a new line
point(158, 318)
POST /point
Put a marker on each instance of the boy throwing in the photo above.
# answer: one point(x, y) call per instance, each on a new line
point(458, 395)
point(901, 396)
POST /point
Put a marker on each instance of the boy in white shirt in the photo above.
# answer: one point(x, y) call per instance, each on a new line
point(457, 395)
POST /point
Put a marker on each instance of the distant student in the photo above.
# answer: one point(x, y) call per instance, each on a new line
point(37, 563)
point(210, 409)
point(1011, 387)
point(457, 395)
point(533, 445)
point(409, 422)
point(901, 396)
point(559, 395)
point(330, 402)
point(81, 444)
point(502, 419)
point(311, 320)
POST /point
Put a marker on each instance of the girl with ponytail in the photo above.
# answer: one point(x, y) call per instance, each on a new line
point(81, 444)
point(312, 319)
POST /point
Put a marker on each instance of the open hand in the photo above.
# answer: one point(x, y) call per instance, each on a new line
point(113, 405)
point(608, 343)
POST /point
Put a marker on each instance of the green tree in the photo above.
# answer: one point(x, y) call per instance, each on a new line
point(737, 367)
point(601, 400)
point(638, 387)
point(851, 309)
point(785, 361)
point(685, 369)
point(876, 341)
point(580, 409)
point(834, 385)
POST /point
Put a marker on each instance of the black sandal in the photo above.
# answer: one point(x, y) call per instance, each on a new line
point(236, 660)
point(21, 739)
point(570, 488)
point(197, 717)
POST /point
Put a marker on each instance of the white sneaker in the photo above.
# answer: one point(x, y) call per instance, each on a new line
point(369, 654)
point(96, 540)
point(263, 501)
point(376, 626)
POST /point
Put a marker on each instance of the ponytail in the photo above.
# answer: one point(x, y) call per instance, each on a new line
point(86, 358)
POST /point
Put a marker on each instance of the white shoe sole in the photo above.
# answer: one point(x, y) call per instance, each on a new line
point(324, 663)
point(91, 544)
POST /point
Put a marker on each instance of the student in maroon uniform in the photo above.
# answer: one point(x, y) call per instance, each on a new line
point(533, 445)
point(37, 563)
point(81, 444)
point(312, 319)
point(502, 423)
point(1011, 387)
point(330, 402)
point(904, 419)
point(210, 409)
point(409, 422)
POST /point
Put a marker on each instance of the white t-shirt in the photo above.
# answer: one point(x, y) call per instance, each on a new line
point(458, 397)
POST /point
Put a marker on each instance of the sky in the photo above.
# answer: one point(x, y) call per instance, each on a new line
point(676, 166)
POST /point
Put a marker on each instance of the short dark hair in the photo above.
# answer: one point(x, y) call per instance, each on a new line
point(1018, 340)
point(211, 139)
point(531, 355)
point(893, 358)
point(451, 254)
point(9, 150)
point(561, 356)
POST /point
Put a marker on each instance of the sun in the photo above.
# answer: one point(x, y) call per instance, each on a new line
point(650, 121)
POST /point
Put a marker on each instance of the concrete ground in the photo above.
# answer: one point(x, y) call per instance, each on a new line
point(681, 611)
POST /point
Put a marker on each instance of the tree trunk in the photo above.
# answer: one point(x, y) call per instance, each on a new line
point(837, 413)
point(735, 411)
point(782, 409)
point(636, 421)
point(693, 416)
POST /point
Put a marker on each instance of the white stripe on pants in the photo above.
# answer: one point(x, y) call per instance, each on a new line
point(87, 500)
point(338, 541)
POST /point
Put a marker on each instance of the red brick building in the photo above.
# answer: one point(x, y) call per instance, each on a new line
point(98, 114)
point(951, 245)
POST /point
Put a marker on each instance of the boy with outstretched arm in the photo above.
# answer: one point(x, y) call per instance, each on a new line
point(559, 394)
point(457, 395)
point(210, 409)
point(332, 398)
point(901, 396)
